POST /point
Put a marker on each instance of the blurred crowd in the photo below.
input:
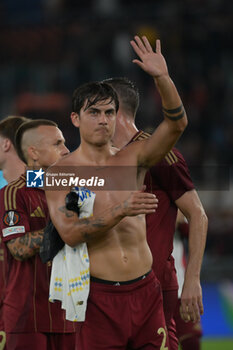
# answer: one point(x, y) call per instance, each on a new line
point(48, 48)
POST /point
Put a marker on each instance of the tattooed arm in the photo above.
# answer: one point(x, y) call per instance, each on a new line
point(26, 246)
point(74, 230)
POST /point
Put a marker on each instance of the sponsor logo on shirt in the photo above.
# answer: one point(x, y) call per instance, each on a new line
point(11, 218)
point(35, 178)
point(13, 230)
point(171, 158)
point(38, 213)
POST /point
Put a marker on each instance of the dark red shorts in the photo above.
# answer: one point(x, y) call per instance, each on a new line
point(124, 317)
point(2, 339)
point(186, 329)
point(41, 341)
point(170, 299)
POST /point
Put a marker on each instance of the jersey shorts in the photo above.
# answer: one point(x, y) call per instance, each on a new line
point(120, 316)
point(170, 299)
point(41, 341)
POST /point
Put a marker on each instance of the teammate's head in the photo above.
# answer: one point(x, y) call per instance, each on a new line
point(8, 128)
point(40, 143)
point(95, 106)
point(127, 93)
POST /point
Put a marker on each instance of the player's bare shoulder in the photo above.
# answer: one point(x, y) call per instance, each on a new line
point(128, 155)
point(71, 159)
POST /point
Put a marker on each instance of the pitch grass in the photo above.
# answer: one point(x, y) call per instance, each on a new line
point(217, 344)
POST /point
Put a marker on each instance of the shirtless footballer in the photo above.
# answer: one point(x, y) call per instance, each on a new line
point(125, 305)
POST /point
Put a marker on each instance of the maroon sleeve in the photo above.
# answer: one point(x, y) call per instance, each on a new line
point(172, 175)
point(14, 218)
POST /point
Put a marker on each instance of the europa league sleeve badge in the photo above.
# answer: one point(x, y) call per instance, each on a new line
point(11, 218)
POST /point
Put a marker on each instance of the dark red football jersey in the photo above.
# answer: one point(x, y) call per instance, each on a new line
point(3, 272)
point(168, 180)
point(26, 306)
point(2, 279)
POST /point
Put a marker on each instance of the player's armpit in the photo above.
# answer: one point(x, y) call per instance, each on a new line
point(25, 247)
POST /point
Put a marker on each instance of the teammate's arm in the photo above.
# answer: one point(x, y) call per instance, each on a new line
point(175, 119)
point(74, 230)
point(26, 246)
point(191, 298)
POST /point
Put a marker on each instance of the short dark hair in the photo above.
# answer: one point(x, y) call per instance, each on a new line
point(127, 93)
point(9, 126)
point(32, 124)
point(93, 92)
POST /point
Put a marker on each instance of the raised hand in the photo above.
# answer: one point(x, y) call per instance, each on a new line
point(151, 62)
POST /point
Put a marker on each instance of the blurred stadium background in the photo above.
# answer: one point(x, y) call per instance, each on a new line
point(49, 47)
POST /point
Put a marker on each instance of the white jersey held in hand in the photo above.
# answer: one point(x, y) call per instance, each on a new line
point(70, 276)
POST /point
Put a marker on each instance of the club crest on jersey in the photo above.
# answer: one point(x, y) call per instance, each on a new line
point(11, 218)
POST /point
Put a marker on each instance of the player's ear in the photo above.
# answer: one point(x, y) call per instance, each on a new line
point(6, 145)
point(33, 153)
point(75, 118)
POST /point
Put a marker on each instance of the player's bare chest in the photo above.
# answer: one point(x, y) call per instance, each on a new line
point(107, 200)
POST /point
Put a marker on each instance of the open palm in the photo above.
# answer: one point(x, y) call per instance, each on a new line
point(151, 62)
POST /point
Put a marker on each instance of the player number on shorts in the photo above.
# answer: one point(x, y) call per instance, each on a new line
point(3, 340)
point(161, 330)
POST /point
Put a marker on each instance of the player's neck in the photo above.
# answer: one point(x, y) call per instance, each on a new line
point(13, 168)
point(125, 130)
point(94, 154)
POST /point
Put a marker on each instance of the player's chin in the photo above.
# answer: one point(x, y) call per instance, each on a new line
point(101, 141)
